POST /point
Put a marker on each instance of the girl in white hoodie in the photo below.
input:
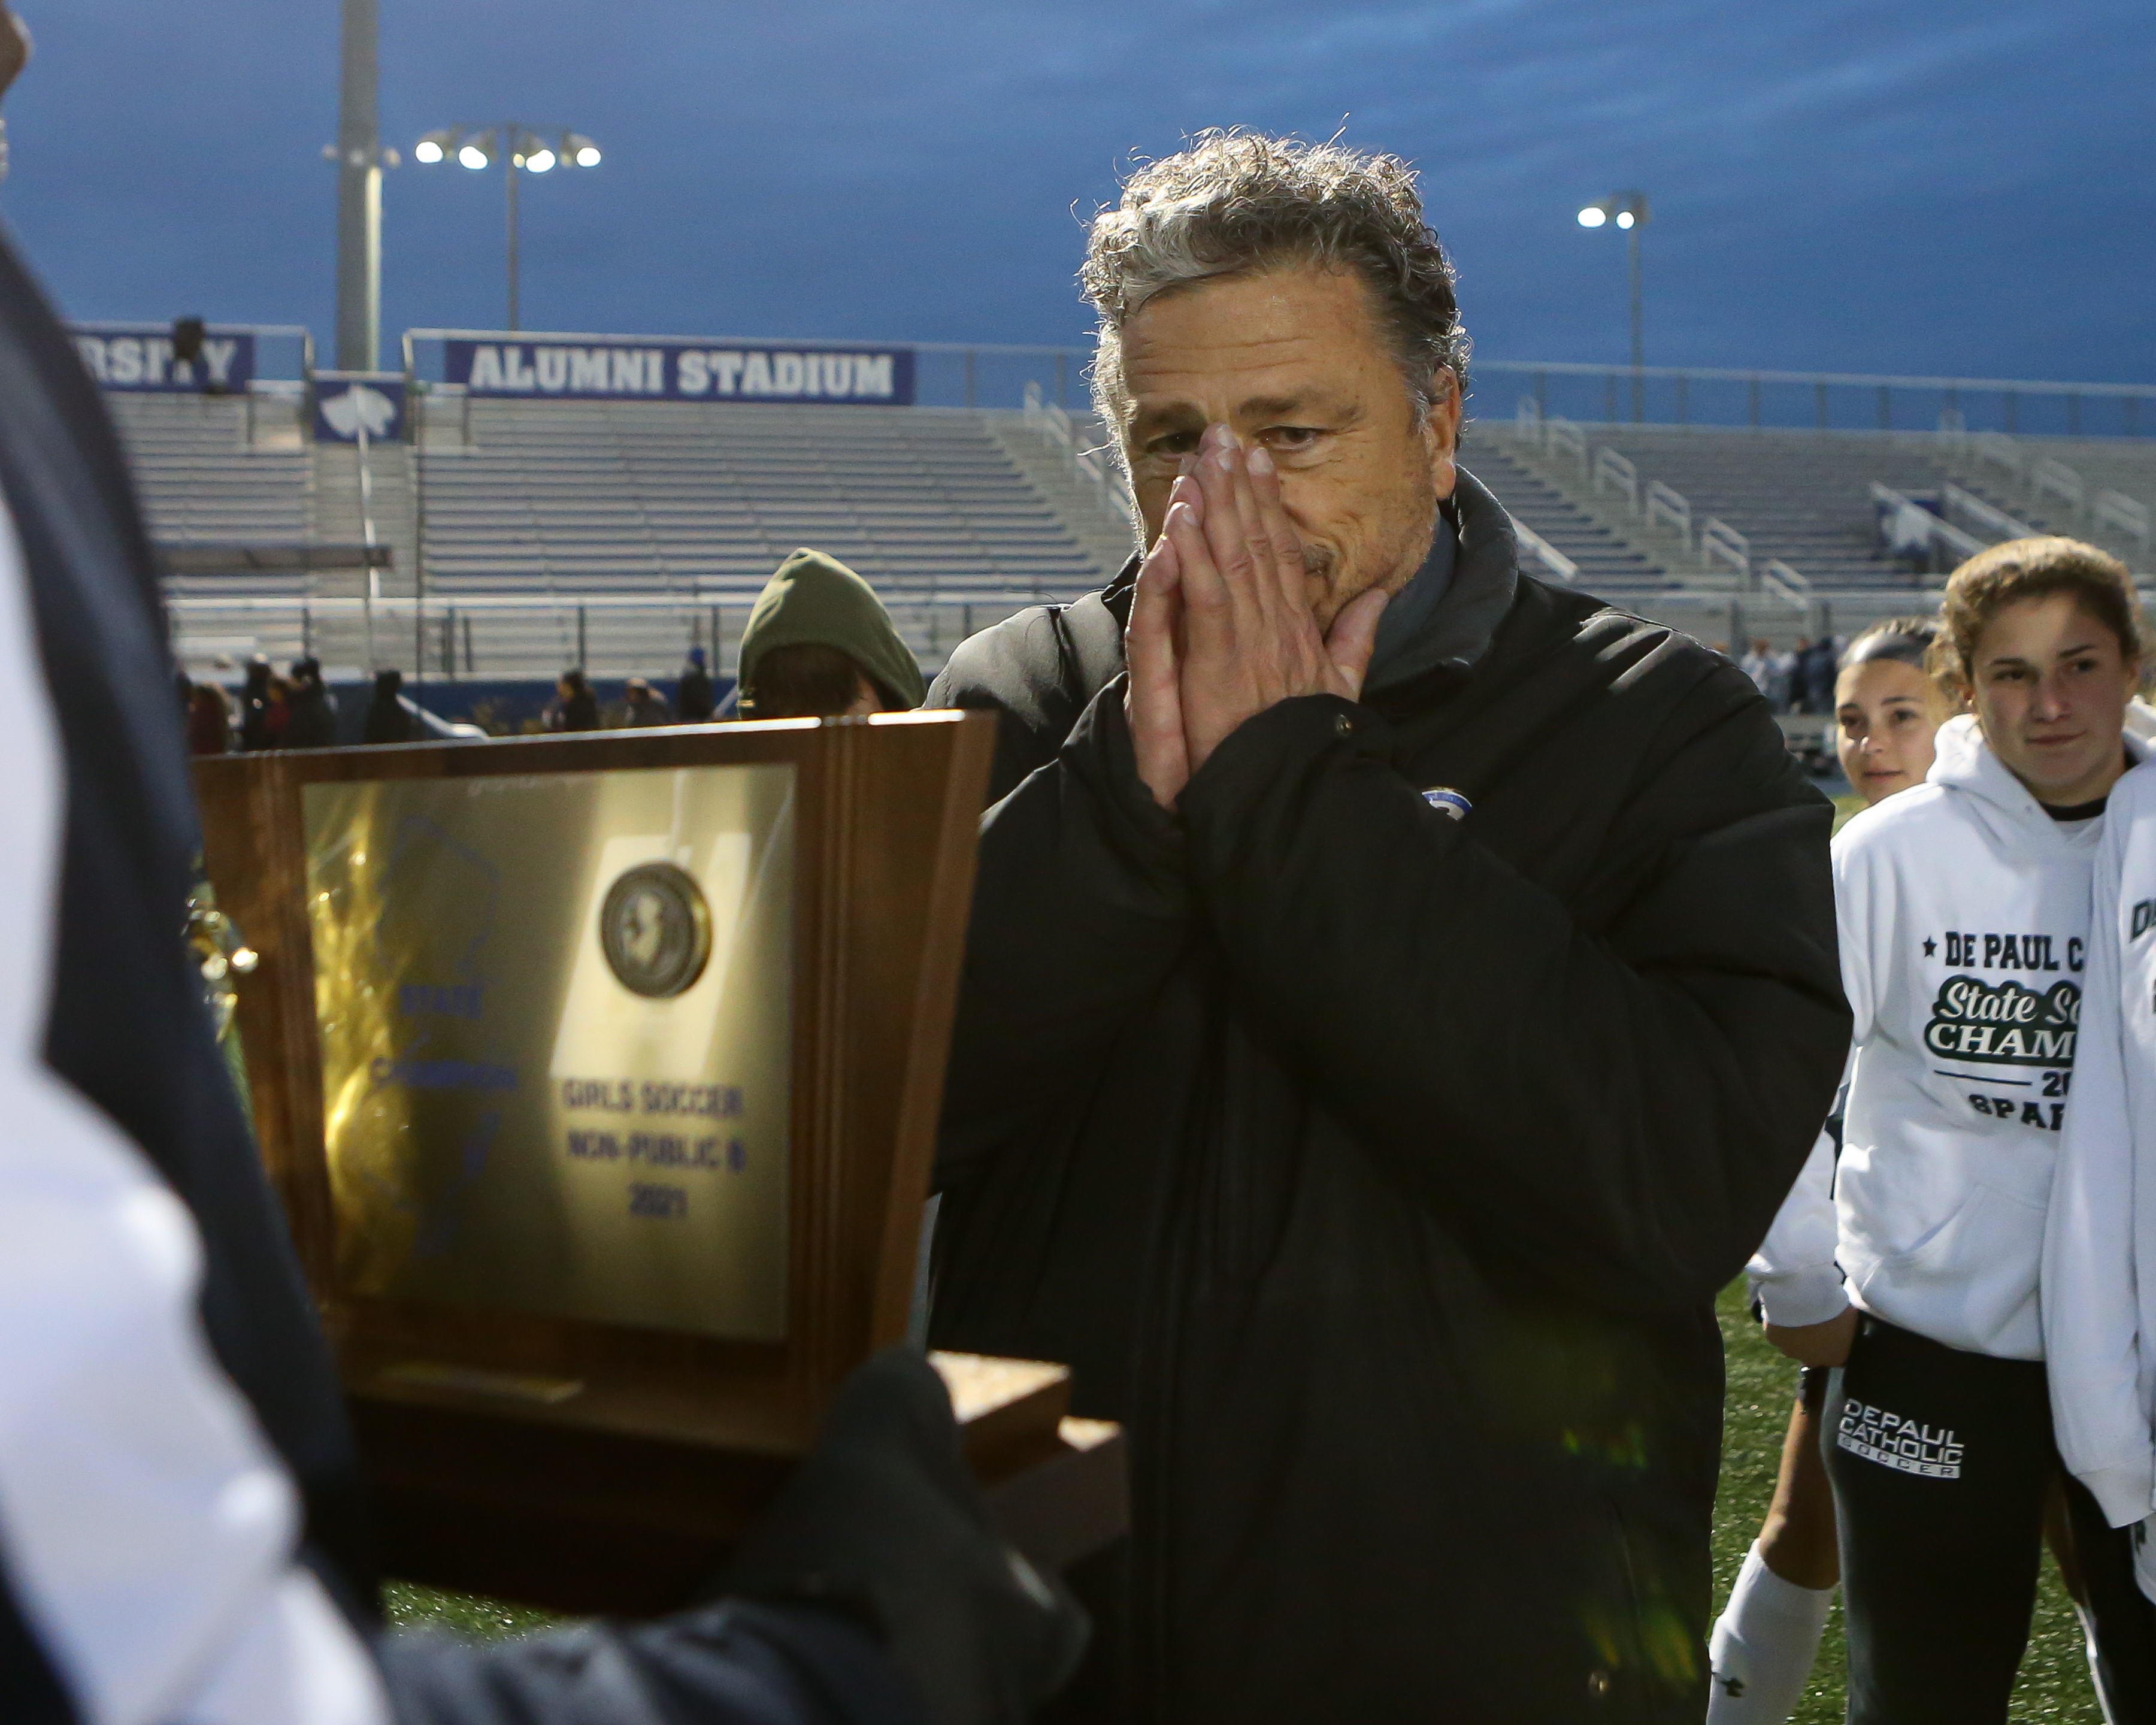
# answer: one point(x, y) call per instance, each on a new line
point(1964, 914)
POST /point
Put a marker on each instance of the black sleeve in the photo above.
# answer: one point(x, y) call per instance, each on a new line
point(732, 1664)
point(1622, 1110)
point(1079, 909)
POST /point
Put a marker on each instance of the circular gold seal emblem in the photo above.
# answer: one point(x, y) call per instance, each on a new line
point(655, 930)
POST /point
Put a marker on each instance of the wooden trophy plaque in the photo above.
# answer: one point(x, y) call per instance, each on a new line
point(599, 1075)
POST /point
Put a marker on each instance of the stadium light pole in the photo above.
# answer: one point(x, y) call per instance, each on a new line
point(521, 150)
point(1630, 212)
point(360, 159)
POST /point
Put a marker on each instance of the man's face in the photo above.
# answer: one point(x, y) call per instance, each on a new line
point(1293, 359)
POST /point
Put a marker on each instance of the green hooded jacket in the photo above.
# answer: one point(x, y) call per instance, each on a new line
point(815, 600)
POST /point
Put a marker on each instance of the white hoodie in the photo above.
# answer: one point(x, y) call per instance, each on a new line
point(2104, 1206)
point(1964, 910)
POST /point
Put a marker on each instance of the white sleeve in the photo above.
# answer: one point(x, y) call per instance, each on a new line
point(146, 1527)
point(1854, 864)
point(2089, 1300)
point(1794, 1274)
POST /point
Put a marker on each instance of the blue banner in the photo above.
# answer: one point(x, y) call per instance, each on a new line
point(624, 368)
point(349, 403)
point(139, 357)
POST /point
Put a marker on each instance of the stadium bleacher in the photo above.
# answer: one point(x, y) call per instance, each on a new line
point(204, 481)
point(704, 501)
point(1777, 532)
point(612, 533)
point(615, 534)
point(1602, 563)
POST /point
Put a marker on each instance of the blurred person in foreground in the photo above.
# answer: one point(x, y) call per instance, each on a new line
point(184, 1539)
point(1398, 994)
point(1887, 711)
point(1933, 1272)
point(819, 645)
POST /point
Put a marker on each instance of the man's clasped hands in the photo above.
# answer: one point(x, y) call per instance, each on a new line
point(1223, 623)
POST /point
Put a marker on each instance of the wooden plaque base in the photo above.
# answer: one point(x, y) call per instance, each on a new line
point(472, 1484)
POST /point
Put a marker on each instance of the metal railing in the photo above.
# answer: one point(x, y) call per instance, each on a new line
point(1719, 539)
point(493, 634)
point(1854, 401)
point(1613, 470)
point(1094, 464)
point(993, 374)
point(2125, 515)
point(2040, 478)
point(1910, 530)
point(1779, 581)
point(1550, 558)
point(1667, 505)
point(1974, 515)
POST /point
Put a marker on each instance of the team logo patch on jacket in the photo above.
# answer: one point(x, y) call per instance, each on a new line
point(2004, 1022)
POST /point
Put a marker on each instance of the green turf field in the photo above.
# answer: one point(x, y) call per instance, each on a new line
point(2055, 1683)
point(2055, 1679)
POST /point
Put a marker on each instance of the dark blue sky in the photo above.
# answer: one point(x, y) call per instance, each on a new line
point(1959, 186)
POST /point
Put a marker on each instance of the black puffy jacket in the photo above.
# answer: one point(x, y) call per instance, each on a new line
point(1379, 1169)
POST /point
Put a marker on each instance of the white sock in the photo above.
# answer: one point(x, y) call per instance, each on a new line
point(1763, 1644)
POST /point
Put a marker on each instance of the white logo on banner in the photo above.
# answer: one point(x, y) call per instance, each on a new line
point(360, 407)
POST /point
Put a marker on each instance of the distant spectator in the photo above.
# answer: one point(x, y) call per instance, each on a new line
point(1782, 677)
point(646, 704)
point(694, 701)
point(1816, 668)
point(311, 721)
point(1756, 663)
point(209, 721)
point(276, 713)
point(387, 720)
point(255, 706)
point(819, 645)
point(575, 708)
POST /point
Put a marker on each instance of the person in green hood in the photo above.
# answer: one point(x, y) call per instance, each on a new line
point(819, 645)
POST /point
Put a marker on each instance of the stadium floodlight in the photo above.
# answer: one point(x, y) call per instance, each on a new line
point(1629, 211)
point(521, 150)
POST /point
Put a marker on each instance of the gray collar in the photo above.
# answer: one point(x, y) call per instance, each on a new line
point(1408, 612)
point(1450, 621)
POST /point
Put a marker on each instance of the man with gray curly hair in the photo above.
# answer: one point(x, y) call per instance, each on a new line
point(1399, 994)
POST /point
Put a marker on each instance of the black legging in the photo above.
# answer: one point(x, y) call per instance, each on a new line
point(1941, 1461)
